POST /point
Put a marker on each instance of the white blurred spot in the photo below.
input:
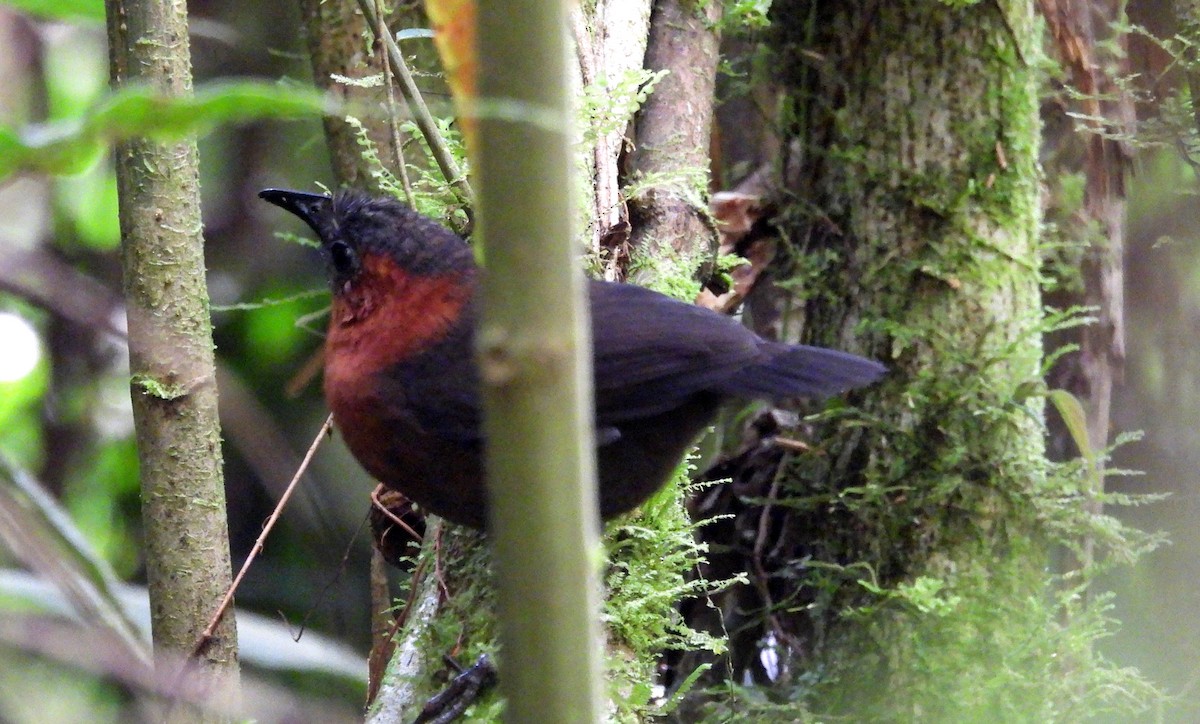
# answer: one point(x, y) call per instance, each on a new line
point(113, 413)
point(20, 349)
point(768, 656)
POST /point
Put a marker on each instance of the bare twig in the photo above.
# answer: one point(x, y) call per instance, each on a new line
point(397, 149)
point(420, 111)
point(206, 635)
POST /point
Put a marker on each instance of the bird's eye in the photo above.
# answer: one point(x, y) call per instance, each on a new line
point(345, 261)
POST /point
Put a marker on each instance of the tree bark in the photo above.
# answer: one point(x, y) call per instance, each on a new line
point(913, 217)
point(673, 130)
point(336, 35)
point(171, 352)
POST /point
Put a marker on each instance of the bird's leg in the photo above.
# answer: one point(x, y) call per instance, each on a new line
point(460, 693)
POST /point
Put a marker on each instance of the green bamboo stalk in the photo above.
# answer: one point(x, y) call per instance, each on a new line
point(174, 386)
point(535, 359)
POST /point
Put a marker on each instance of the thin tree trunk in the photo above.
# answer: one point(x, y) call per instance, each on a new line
point(673, 130)
point(171, 351)
point(336, 35)
point(1091, 46)
point(610, 42)
point(535, 361)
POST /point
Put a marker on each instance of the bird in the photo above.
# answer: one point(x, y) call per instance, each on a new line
point(403, 386)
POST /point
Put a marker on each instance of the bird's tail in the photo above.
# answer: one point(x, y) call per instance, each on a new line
point(800, 371)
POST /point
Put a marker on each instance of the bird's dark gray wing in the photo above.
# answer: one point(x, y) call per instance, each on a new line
point(652, 353)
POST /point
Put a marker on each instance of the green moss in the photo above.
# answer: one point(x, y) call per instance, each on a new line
point(454, 564)
point(652, 556)
point(158, 388)
point(671, 273)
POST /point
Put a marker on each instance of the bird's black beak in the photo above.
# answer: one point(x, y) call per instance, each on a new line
point(312, 208)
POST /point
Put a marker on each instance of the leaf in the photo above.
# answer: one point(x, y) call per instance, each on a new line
point(1071, 410)
point(454, 24)
point(91, 10)
point(1075, 418)
point(41, 534)
point(71, 146)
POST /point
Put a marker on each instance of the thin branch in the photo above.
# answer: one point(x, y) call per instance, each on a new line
point(420, 111)
point(207, 634)
point(389, 86)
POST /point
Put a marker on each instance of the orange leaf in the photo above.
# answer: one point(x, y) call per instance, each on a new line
point(454, 24)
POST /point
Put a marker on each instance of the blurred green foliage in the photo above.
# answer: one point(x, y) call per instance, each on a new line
point(75, 10)
point(20, 399)
point(70, 146)
point(277, 328)
point(102, 504)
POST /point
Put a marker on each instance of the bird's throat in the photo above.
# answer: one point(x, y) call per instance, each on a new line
point(387, 315)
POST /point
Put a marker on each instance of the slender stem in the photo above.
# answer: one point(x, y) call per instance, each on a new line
point(420, 111)
point(207, 634)
point(535, 362)
point(393, 116)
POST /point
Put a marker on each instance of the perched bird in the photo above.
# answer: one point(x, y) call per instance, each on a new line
point(401, 379)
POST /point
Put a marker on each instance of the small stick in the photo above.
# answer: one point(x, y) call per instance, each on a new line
point(207, 635)
point(392, 516)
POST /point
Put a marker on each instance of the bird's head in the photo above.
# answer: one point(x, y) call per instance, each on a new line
point(400, 281)
point(360, 234)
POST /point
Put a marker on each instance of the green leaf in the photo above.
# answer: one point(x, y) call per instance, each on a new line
point(72, 146)
point(92, 10)
point(1075, 418)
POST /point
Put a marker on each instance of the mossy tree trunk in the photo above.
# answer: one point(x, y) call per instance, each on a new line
point(337, 39)
point(899, 563)
point(174, 384)
point(670, 218)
